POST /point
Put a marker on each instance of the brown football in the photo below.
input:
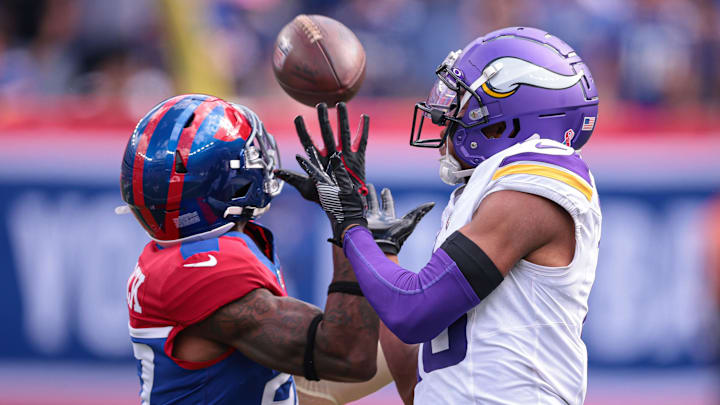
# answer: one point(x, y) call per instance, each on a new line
point(317, 59)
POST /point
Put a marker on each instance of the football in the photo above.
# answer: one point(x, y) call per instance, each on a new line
point(318, 60)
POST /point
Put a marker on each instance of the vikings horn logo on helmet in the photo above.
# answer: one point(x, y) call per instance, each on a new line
point(512, 72)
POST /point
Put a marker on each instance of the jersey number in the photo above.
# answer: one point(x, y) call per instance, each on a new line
point(279, 391)
point(136, 279)
point(447, 349)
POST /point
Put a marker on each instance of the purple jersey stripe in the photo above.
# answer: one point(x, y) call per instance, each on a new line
point(573, 162)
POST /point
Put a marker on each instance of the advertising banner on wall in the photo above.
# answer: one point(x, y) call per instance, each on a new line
point(66, 256)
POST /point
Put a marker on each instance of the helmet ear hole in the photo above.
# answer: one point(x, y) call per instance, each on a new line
point(189, 120)
point(516, 128)
point(179, 164)
point(495, 130)
point(242, 191)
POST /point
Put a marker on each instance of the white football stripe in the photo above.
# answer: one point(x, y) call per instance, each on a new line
point(146, 356)
point(150, 333)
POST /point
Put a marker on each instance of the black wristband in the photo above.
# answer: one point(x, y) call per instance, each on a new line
point(309, 361)
point(474, 264)
point(343, 227)
point(345, 287)
point(388, 247)
point(335, 242)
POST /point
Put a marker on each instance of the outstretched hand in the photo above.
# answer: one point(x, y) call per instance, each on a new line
point(389, 231)
point(353, 150)
point(336, 192)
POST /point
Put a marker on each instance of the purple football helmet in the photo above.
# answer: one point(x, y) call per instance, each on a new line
point(523, 79)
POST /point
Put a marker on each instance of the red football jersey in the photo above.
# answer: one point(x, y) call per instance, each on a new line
point(176, 286)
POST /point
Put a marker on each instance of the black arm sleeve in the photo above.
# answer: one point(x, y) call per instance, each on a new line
point(473, 263)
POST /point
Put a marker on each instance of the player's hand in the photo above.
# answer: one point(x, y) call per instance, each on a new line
point(303, 184)
point(389, 231)
point(337, 194)
point(353, 149)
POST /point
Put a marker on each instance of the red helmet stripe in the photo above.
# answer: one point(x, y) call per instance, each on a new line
point(239, 127)
point(137, 179)
point(174, 196)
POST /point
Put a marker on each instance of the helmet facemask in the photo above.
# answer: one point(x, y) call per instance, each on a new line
point(261, 155)
point(448, 101)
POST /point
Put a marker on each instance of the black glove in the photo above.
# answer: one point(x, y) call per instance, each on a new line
point(389, 231)
point(338, 196)
point(353, 150)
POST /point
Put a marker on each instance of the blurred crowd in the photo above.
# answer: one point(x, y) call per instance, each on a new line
point(649, 52)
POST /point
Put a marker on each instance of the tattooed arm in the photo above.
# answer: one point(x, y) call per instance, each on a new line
point(272, 330)
point(402, 362)
point(401, 358)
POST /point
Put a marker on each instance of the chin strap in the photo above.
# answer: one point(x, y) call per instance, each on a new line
point(464, 173)
point(254, 212)
point(450, 170)
point(198, 236)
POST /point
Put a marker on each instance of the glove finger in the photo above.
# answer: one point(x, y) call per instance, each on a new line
point(317, 160)
point(360, 141)
point(301, 183)
point(343, 127)
point(418, 213)
point(388, 203)
point(333, 162)
point(326, 129)
point(342, 178)
point(372, 200)
point(312, 170)
point(303, 134)
point(292, 178)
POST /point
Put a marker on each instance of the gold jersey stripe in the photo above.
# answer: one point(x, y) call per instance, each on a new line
point(550, 172)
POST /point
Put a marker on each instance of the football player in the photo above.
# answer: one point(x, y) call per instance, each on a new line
point(210, 319)
point(498, 310)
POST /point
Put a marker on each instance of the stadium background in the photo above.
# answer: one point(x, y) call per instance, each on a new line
point(75, 75)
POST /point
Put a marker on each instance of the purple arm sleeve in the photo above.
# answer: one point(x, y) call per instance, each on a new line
point(415, 307)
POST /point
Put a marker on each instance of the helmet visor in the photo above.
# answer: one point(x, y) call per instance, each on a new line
point(441, 97)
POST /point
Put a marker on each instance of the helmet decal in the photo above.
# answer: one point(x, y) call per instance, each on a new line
point(514, 71)
point(235, 127)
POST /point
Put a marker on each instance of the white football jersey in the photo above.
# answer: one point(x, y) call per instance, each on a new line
point(521, 344)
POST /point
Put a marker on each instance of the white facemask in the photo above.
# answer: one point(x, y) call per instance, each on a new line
point(451, 172)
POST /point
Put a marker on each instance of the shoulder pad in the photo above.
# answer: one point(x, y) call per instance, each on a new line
point(550, 160)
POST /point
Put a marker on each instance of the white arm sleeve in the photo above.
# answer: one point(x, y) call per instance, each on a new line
point(338, 393)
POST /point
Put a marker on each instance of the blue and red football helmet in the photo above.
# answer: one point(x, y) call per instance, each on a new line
point(520, 81)
point(195, 165)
